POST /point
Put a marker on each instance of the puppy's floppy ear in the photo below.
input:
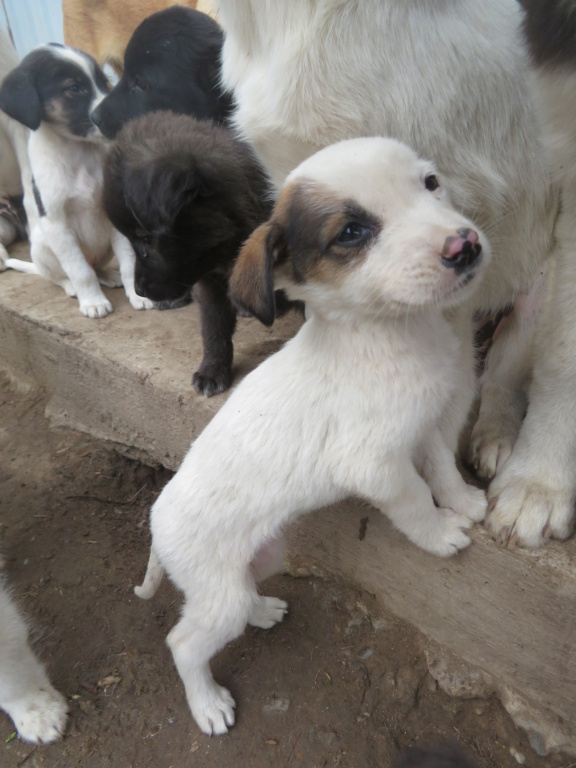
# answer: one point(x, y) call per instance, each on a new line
point(251, 283)
point(19, 98)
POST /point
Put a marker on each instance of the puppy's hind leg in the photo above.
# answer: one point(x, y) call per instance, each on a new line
point(218, 615)
point(268, 611)
point(152, 579)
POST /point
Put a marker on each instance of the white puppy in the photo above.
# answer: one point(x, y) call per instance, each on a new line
point(52, 92)
point(364, 234)
point(450, 80)
point(26, 695)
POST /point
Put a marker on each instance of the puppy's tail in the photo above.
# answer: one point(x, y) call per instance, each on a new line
point(153, 577)
point(21, 266)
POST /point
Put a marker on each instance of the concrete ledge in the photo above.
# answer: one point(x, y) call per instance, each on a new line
point(500, 622)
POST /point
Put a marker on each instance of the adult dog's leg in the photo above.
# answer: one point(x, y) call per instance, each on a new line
point(532, 497)
point(455, 414)
point(505, 383)
point(218, 321)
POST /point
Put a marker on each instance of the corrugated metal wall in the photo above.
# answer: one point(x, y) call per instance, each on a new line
point(31, 22)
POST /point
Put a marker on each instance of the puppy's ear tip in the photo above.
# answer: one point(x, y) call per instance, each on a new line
point(266, 315)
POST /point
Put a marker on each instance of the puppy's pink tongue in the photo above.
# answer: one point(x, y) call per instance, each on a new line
point(455, 247)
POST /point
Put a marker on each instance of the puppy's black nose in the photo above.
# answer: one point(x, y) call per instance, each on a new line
point(96, 117)
point(461, 252)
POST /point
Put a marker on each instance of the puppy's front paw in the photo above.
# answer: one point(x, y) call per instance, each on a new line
point(41, 717)
point(212, 379)
point(267, 611)
point(527, 512)
point(472, 504)
point(448, 535)
point(213, 710)
point(140, 302)
point(96, 309)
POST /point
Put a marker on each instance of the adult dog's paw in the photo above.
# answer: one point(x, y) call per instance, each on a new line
point(41, 718)
point(95, 308)
point(526, 512)
point(211, 379)
point(496, 430)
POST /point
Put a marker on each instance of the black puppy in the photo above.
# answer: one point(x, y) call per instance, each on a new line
point(187, 194)
point(172, 61)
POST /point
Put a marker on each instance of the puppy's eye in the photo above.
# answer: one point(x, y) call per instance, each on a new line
point(75, 89)
point(352, 234)
point(431, 182)
point(137, 85)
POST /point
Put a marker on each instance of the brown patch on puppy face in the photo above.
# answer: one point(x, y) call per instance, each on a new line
point(325, 236)
point(317, 236)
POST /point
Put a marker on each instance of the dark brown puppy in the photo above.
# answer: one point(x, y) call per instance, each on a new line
point(187, 194)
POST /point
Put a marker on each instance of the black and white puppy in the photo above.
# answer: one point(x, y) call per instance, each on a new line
point(52, 92)
point(187, 194)
point(172, 61)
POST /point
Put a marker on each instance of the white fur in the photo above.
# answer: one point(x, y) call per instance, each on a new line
point(74, 242)
point(449, 79)
point(533, 496)
point(354, 404)
point(26, 695)
point(15, 174)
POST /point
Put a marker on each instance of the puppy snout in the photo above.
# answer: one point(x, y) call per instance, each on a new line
point(462, 251)
point(96, 117)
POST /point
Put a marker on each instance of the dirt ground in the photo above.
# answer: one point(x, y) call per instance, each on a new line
point(339, 683)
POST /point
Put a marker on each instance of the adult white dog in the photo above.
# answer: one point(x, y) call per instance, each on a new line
point(534, 496)
point(354, 404)
point(449, 79)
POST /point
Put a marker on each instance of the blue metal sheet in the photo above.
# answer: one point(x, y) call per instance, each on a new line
point(32, 22)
